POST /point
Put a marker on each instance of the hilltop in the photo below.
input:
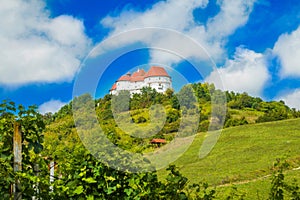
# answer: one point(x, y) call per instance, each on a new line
point(230, 109)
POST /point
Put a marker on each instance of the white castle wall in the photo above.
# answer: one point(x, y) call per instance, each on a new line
point(159, 83)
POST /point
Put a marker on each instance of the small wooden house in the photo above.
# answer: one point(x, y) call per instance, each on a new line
point(158, 141)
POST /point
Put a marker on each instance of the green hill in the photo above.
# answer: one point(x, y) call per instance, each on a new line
point(240, 166)
point(244, 156)
point(255, 134)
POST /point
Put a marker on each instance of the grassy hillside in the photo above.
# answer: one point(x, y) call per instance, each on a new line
point(255, 188)
point(243, 153)
point(243, 156)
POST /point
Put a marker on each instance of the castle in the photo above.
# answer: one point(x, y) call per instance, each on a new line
point(156, 78)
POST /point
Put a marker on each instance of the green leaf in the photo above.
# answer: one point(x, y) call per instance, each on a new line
point(78, 190)
point(89, 180)
point(110, 178)
point(37, 148)
point(111, 189)
point(90, 197)
point(128, 191)
point(82, 174)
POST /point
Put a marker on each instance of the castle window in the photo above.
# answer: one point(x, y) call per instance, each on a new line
point(160, 86)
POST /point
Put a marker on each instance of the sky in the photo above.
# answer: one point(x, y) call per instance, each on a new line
point(252, 46)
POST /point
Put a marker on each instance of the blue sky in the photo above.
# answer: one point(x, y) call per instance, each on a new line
point(255, 45)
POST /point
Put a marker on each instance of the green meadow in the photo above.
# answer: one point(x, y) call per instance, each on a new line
point(243, 157)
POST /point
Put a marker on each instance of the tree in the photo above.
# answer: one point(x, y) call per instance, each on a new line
point(187, 97)
point(32, 126)
point(120, 102)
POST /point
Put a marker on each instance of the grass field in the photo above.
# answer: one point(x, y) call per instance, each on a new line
point(256, 188)
point(244, 153)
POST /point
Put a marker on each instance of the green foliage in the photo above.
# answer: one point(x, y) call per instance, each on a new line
point(274, 111)
point(177, 187)
point(173, 188)
point(279, 188)
point(120, 102)
point(186, 97)
point(202, 91)
point(230, 122)
point(85, 177)
point(240, 101)
point(148, 97)
point(32, 125)
point(63, 111)
point(234, 193)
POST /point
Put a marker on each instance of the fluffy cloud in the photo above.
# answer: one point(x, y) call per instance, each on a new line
point(247, 72)
point(292, 99)
point(36, 47)
point(178, 15)
point(287, 48)
point(233, 14)
point(51, 106)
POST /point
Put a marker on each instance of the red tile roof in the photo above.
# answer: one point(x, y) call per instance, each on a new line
point(137, 78)
point(156, 140)
point(114, 86)
point(124, 78)
point(157, 71)
point(140, 75)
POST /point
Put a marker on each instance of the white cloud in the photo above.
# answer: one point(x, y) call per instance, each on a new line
point(287, 48)
point(178, 15)
point(233, 14)
point(51, 106)
point(247, 72)
point(170, 14)
point(37, 48)
point(292, 99)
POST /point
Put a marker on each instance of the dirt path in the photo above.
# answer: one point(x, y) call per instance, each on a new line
point(253, 180)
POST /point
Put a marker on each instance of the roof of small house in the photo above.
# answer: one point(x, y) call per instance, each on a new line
point(158, 140)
